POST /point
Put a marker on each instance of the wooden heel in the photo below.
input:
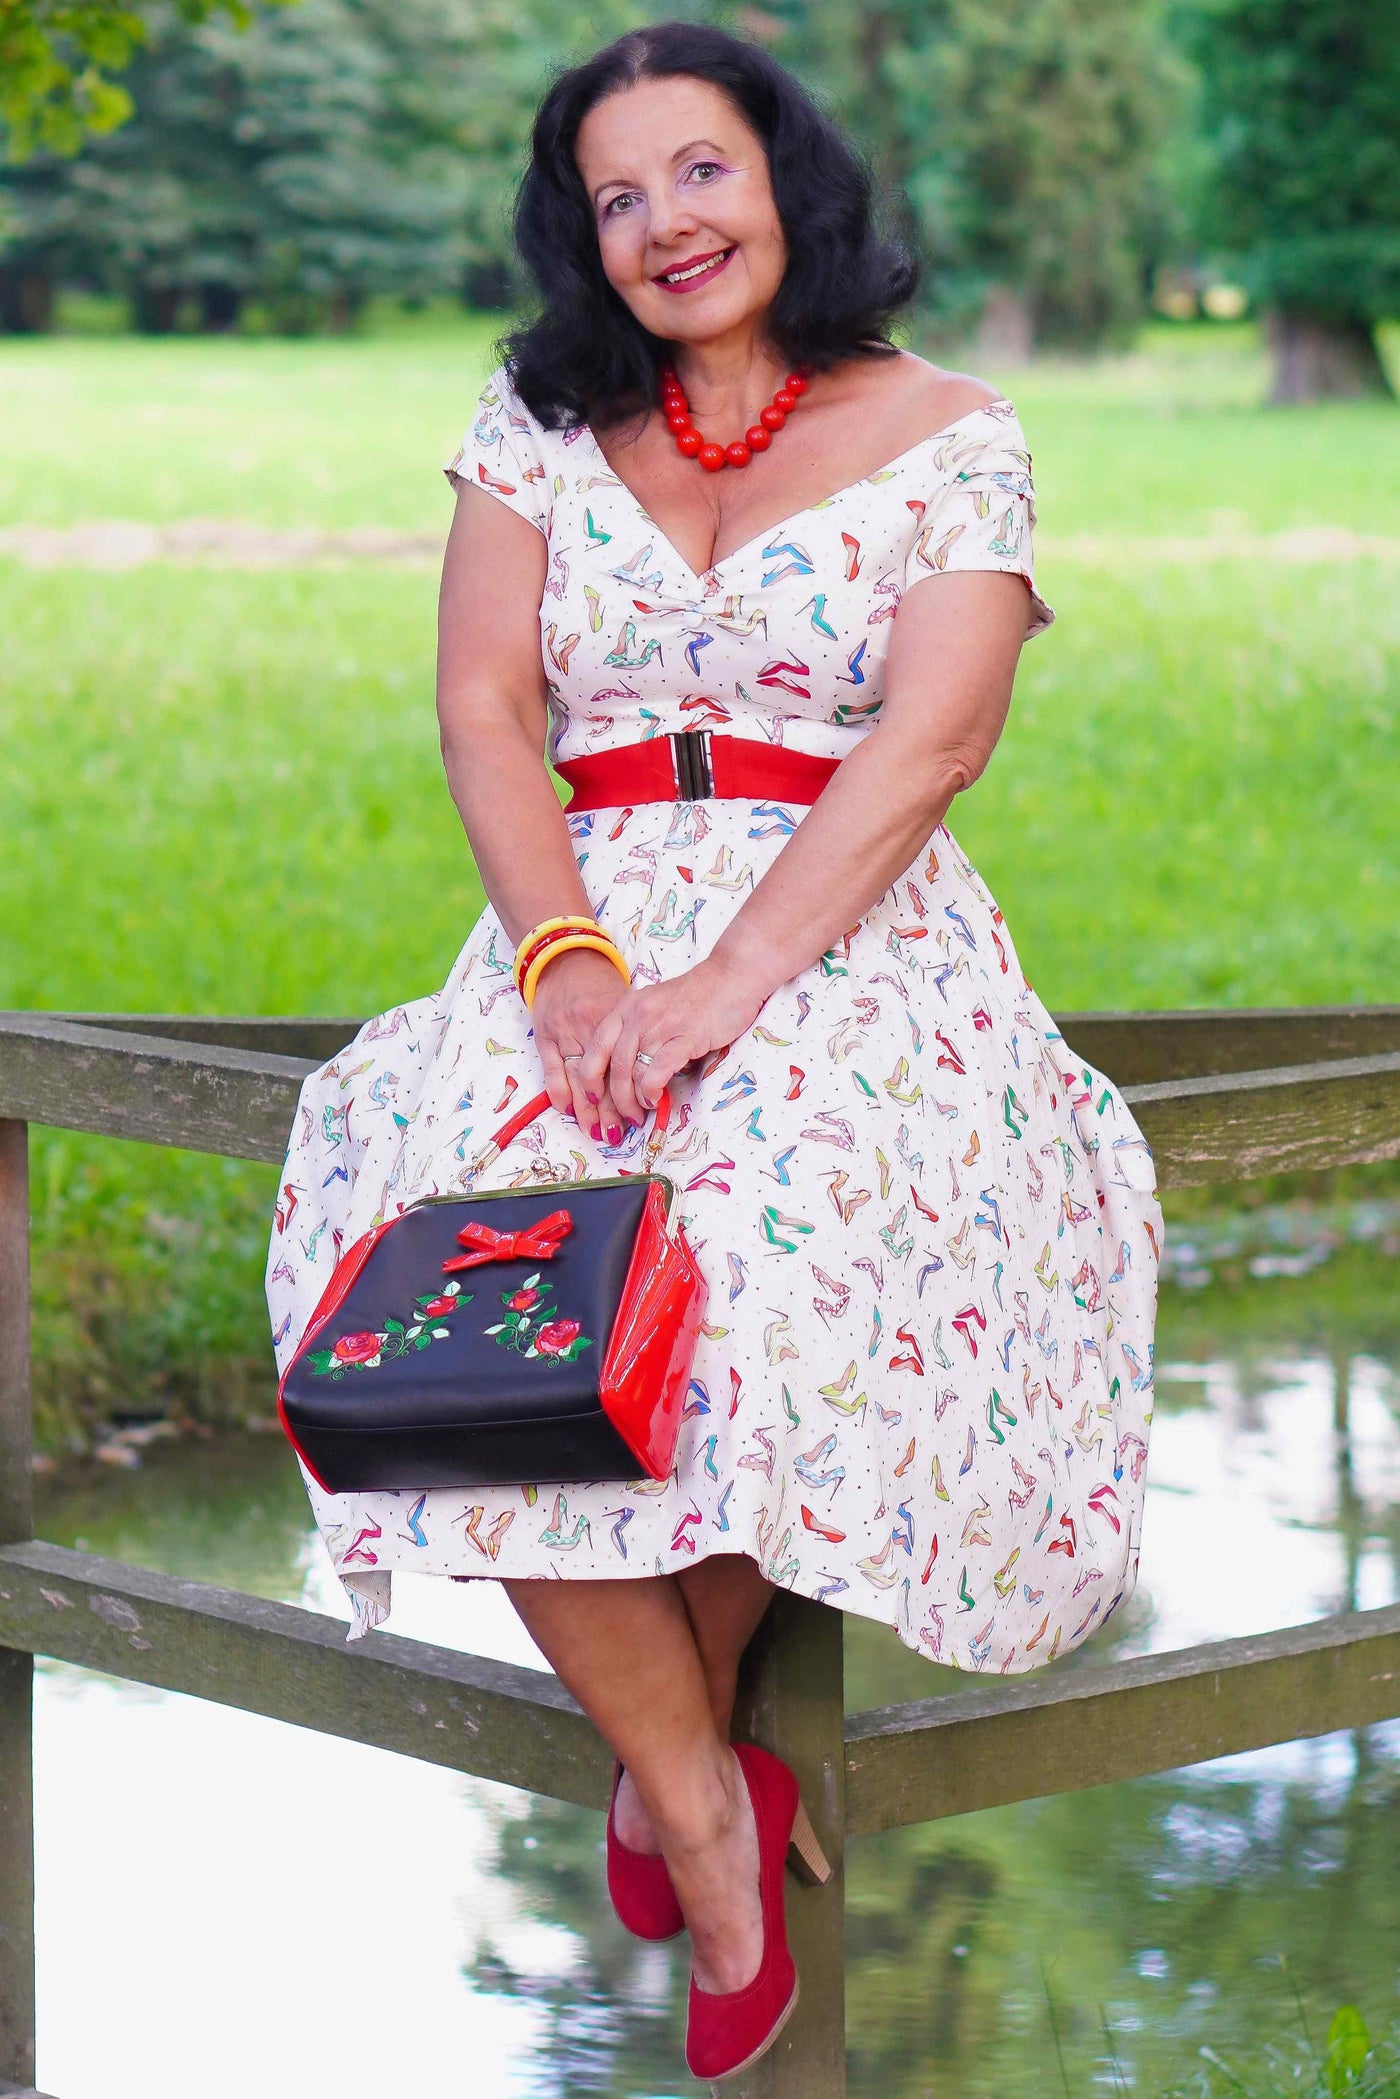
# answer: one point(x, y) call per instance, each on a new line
point(805, 1854)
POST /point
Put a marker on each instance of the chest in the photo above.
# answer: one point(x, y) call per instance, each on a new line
point(707, 518)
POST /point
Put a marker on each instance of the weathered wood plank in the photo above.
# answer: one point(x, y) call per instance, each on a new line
point(1220, 1128)
point(791, 1700)
point(309, 1037)
point(1142, 1049)
point(515, 1725)
point(1024, 1738)
point(199, 1097)
point(16, 1667)
point(1294, 1120)
point(1135, 1049)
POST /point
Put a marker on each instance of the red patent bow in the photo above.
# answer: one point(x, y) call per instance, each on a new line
point(539, 1243)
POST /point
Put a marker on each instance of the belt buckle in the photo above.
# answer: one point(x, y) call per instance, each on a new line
point(690, 750)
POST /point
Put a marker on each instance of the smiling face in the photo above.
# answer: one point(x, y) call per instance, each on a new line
point(688, 230)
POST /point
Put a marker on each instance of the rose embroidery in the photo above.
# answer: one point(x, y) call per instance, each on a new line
point(532, 1329)
point(554, 1339)
point(398, 1337)
point(357, 1348)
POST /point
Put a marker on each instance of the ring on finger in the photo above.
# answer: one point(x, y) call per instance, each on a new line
point(642, 1058)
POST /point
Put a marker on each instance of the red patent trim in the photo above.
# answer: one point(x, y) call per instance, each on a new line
point(343, 1276)
point(646, 1370)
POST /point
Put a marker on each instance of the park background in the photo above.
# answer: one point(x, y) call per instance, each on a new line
point(250, 284)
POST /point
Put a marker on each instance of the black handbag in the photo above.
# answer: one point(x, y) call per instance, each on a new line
point(503, 1338)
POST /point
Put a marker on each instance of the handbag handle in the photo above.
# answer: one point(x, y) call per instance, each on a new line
point(525, 1115)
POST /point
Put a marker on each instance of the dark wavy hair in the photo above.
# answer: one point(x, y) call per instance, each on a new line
point(585, 357)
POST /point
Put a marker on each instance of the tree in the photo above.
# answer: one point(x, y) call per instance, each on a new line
point(1300, 100)
point(56, 62)
point(1020, 143)
point(283, 163)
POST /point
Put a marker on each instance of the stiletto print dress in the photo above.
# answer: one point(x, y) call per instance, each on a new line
point(930, 1229)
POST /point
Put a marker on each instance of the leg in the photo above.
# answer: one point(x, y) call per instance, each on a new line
point(725, 1598)
point(627, 1652)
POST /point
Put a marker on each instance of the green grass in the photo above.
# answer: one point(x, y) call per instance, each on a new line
point(222, 790)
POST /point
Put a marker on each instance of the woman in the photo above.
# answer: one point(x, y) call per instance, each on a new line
point(930, 1231)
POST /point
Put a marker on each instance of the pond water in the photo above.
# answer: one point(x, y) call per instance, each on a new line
point(229, 1904)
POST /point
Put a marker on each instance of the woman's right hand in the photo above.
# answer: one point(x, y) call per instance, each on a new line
point(574, 993)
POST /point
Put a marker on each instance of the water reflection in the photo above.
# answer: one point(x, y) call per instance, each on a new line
point(469, 1925)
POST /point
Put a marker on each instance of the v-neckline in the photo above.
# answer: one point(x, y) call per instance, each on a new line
point(782, 523)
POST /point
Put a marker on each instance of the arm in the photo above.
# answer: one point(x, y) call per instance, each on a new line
point(952, 660)
point(492, 712)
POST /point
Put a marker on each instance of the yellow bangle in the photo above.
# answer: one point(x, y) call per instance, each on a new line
point(597, 940)
point(570, 922)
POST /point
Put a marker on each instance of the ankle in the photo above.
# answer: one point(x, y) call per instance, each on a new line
point(704, 1811)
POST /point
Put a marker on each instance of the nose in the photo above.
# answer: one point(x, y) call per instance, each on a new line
point(673, 218)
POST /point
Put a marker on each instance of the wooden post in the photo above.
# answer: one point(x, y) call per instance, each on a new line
point(16, 1670)
point(791, 1699)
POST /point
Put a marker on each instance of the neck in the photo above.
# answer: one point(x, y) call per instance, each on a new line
point(728, 380)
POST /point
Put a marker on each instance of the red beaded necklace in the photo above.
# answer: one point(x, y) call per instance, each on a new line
point(691, 445)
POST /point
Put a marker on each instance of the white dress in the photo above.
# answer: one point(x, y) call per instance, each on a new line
point(931, 1233)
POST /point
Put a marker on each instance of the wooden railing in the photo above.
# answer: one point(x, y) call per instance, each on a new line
point(1219, 1097)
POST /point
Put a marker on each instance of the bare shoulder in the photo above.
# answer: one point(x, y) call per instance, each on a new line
point(909, 398)
point(940, 395)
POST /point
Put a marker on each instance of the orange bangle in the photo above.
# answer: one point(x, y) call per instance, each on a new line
point(597, 940)
point(572, 921)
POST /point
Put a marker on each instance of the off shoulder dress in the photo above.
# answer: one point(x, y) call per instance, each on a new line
point(923, 1391)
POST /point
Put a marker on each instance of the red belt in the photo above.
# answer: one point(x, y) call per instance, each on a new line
point(691, 765)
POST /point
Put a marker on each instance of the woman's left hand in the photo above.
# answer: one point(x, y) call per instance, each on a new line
point(673, 1023)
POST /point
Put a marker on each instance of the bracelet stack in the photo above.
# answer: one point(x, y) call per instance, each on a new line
point(557, 936)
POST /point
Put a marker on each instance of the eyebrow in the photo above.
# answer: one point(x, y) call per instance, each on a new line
point(679, 154)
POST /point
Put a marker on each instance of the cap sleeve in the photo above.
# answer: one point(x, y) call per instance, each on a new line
point(502, 452)
point(981, 513)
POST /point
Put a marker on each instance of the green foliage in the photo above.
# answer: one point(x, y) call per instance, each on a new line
point(306, 162)
point(1025, 139)
point(1300, 100)
point(56, 62)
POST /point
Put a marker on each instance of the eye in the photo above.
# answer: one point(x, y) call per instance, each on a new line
point(701, 165)
point(610, 207)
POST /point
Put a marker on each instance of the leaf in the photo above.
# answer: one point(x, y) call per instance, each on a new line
point(393, 1326)
point(413, 1333)
point(423, 1340)
point(442, 1333)
point(530, 1281)
point(1348, 2045)
point(321, 1361)
point(501, 1329)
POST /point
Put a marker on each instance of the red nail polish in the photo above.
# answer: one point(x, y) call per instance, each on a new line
point(592, 1099)
point(596, 1132)
point(614, 1134)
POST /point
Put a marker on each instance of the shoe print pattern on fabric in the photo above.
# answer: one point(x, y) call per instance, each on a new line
point(924, 1389)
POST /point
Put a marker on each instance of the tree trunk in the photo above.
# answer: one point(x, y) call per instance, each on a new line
point(1006, 331)
point(219, 308)
point(155, 308)
point(26, 302)
point(1319, 358)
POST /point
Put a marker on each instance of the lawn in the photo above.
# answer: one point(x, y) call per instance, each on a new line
point(223, 791)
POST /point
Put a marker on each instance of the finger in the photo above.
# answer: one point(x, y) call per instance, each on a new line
point(650, 1080)
point(599, 1113)
point(578, 1107)
point(556, 1075)
point(622, 1070)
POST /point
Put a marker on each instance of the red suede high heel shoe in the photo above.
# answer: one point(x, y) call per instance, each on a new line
point(639, 1884)
point(726, 2032)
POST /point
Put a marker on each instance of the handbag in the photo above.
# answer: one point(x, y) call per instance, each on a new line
point(503, 1338)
